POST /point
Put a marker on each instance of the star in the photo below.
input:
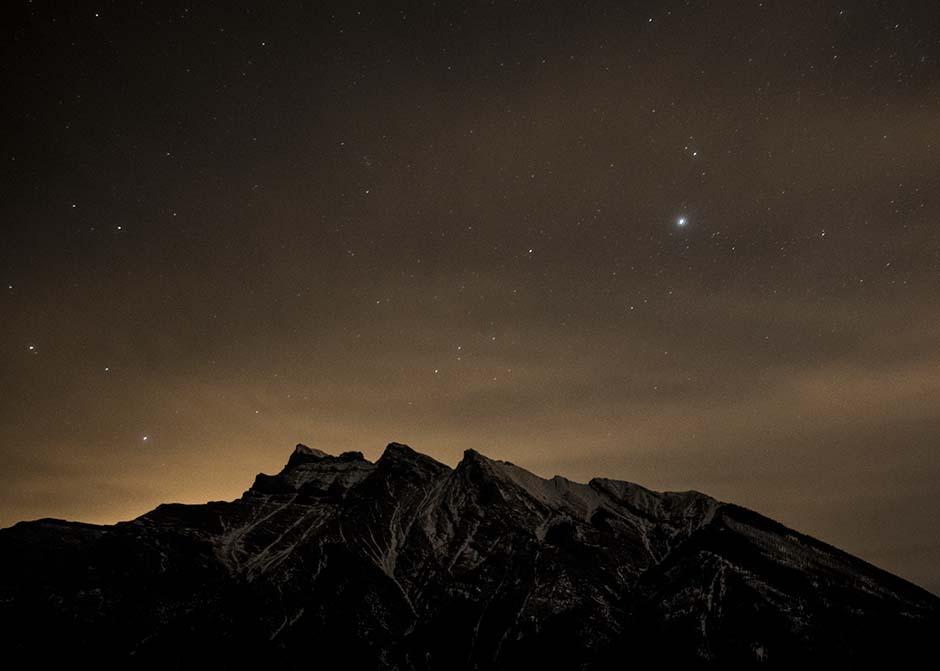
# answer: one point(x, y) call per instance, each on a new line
point(681, 221)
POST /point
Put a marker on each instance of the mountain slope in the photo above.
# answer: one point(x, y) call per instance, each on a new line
point(406, 563)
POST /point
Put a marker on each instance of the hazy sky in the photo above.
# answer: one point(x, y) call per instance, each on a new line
point(692, 245)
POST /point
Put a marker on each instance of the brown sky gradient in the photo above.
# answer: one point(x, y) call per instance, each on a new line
point(457, 228)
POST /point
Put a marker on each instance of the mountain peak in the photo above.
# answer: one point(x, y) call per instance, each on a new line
point(311, 470)
point(471, 456)
point(399, 455)
point(398, 450)
point(303, 454)
point(379, 565)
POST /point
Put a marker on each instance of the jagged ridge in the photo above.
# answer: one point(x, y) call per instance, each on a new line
point(407, 563)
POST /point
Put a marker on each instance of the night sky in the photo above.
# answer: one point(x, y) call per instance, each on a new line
point(692, 245)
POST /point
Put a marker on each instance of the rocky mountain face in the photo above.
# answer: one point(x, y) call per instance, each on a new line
point(406, 563)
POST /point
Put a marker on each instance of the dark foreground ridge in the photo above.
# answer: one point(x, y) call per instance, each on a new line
point(406, 564)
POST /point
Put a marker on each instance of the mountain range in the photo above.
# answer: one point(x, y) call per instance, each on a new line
point(408, 564)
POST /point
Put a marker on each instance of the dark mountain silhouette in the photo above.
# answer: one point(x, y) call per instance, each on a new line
point(406, 563)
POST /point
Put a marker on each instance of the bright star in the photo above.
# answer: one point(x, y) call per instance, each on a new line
point(681, 221)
